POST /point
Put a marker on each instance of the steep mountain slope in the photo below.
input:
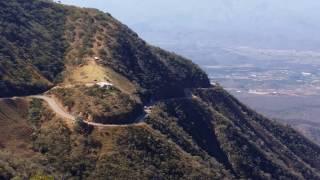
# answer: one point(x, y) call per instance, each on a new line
point(39, 40)
point(31, 46)
point(247, 144)
point(189, 129)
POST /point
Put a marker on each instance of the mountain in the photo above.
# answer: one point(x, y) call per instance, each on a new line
point(85, 98)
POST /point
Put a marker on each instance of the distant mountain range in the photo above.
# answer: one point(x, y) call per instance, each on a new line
point(263, 24)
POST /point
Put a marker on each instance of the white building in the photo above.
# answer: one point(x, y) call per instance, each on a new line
point(104, 84)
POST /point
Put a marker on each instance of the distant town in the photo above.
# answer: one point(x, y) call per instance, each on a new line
point(255, 80)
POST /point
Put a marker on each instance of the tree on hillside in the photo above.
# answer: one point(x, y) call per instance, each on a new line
point(81, 126)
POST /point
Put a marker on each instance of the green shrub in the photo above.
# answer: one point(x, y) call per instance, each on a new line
point(35, 112)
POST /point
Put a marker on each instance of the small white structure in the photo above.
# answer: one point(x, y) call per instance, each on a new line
point(96, 58)
point(147, 109)
point(106, 85)
point(214, 83)
point(306, 74)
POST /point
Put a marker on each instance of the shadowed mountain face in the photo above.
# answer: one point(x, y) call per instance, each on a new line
point(192, 130)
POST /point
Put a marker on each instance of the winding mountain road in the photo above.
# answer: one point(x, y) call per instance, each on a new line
point(61, 112)
point(55, 107)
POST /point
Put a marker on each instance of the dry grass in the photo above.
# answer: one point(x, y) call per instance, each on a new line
point(93, 72)
point(87, 69)
point(108, 138)
point(15, 131)
point(121, 82)
point(88, 73)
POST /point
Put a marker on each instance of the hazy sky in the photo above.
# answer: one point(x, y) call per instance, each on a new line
point(264, 23)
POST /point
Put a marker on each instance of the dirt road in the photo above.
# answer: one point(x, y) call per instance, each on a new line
point(61, 112)
point(55, 107)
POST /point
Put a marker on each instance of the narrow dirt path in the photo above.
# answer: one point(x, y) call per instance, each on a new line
point(55, 107)
point(61, 112)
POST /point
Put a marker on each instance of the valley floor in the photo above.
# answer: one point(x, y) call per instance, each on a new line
point(301, 112)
